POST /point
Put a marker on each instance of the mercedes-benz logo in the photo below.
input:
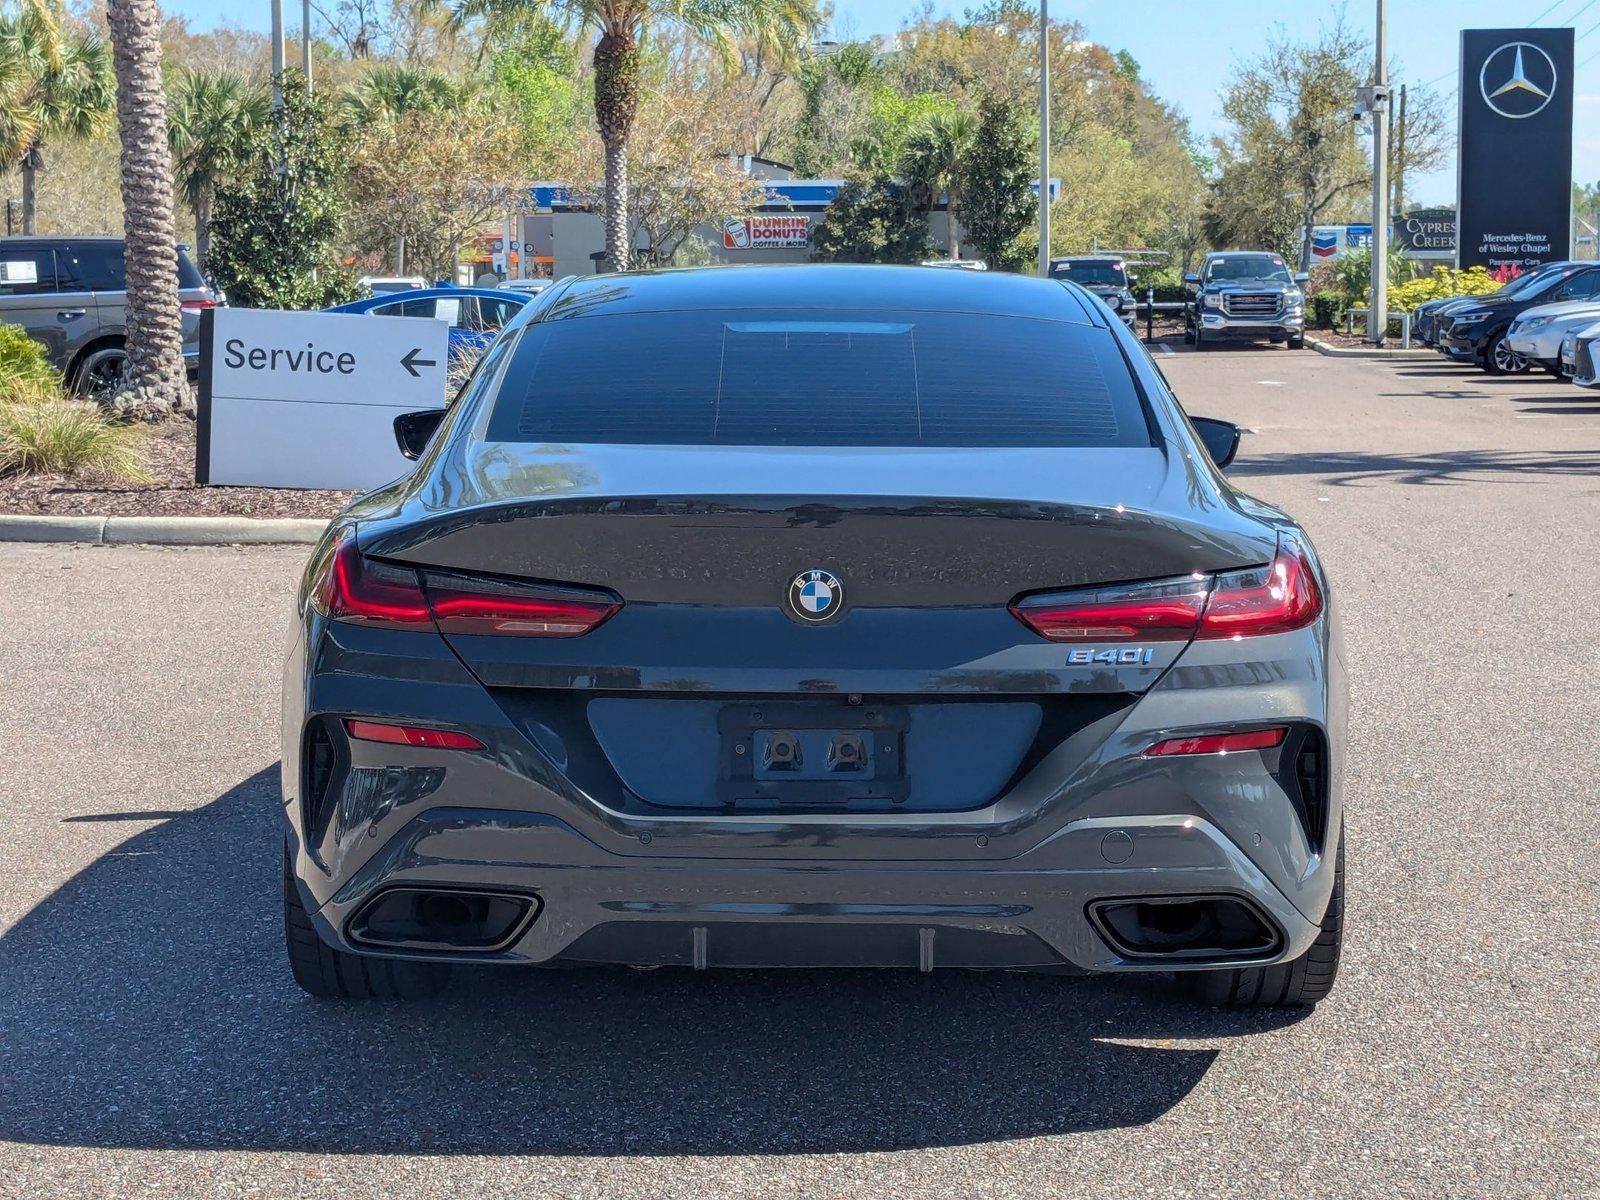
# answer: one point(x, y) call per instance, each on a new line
point(1517, 80)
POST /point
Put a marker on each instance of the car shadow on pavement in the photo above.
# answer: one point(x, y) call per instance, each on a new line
point(1344, 469)
point(146, 1003)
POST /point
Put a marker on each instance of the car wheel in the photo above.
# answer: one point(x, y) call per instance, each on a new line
point(99, 374)
point(1200, 342)
point(1297, 341)
point(1502, 360)
point(332, 974)
point(1298, 983)
point(1189, 333)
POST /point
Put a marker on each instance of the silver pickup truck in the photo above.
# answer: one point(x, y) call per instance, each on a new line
point(1245, 293)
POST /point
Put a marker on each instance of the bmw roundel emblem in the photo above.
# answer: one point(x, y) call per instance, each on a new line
point(816, 596)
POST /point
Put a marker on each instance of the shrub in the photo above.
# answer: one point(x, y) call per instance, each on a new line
point(1441, 284)
point(23, 361)
point(44, 433)
point(1327, 308)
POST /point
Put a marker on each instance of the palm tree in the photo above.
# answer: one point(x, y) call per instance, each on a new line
point(783, 25)
point(212, 115)
point(155, 382)
point(932, 163)
point(63, 89)
point(391, 90)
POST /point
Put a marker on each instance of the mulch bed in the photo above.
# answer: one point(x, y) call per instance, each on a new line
point(1338, 338)
point(169, 452)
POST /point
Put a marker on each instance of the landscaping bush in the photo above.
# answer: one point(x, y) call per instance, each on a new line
point(42, 432)
point(23, 361)
point(1441, 284)
point(1326, 309)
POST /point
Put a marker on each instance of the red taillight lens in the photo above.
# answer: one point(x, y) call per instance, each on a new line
point(354, 588)
point(365, 591)
point(195, 306)
point(1218, 743)
point(1161, 610)
point(1271, 599)
point(411, 735)
point(509, 610)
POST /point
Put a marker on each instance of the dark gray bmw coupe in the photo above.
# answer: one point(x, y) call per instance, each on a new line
point(815, 616)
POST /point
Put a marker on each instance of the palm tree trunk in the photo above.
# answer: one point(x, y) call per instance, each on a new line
point(155, 382)
point(202, 229)
point(32, 160)
point(616, 103)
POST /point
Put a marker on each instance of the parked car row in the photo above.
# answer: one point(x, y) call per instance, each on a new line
point(1521, 326)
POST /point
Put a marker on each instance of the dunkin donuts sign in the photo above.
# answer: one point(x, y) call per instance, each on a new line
point(765, 233)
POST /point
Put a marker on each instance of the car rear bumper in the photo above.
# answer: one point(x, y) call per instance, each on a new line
point(594, 905)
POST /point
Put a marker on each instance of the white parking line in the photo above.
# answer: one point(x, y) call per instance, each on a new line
point(1164, 348)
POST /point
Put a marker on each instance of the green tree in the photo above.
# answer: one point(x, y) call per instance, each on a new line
point(209, 123)
point(618, 54)
point(872, 220)
point(390, 90)
point(277, 218)
point(61, 87)
point(934, 161)
point(996, 183)
point(155, 382)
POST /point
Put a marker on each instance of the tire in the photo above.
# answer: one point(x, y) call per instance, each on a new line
point(1200, 342)
point(1189, 333)
point(1499, 359)
point(99, 373)
point(331, 974)
point(1297, 342)
point(1296, 984)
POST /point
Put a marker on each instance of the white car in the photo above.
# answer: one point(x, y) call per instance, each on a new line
point(1578, 349)
point(1537, 334)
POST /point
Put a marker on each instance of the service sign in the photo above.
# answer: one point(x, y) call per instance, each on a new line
point(1514, 186)
point(308, 399)
point(766, 232)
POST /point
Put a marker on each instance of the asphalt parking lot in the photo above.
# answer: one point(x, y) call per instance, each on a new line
point(151, 1042)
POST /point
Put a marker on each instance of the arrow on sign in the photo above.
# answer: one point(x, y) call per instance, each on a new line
point(411, 362)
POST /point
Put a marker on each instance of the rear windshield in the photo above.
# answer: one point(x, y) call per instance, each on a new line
point(818, 378)
point(1091, 274)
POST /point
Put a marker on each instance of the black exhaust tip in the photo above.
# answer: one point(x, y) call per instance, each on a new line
point(1185, 927)
point(408, 918)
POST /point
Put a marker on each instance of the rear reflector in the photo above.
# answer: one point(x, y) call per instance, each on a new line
point(365, 591)
point(1160, 610)
point(411, 735)
point(1272, 599)
point(1218, 743)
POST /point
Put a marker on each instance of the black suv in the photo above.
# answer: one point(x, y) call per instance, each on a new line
point(1475, 332)
point(1106, 275)
point(70, 294)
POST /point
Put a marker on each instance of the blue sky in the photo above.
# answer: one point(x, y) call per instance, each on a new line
point(1186, 48)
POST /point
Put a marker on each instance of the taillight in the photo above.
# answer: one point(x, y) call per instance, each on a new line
point(1271, 599)
point(411, 735)
point(1160, 610)
point(1218, 743)
point(197, 306)
point(357, 589)
point(509, 609)
point(366, 591)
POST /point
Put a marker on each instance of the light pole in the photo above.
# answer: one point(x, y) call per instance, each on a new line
point(277, 57)
point(1044, 138)
point(305, 41)
point(1378, 306)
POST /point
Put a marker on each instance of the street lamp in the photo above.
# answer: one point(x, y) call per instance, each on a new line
point(1044, 138)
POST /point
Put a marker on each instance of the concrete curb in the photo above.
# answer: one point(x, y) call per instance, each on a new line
point(1322, 347)
point(161, 531)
